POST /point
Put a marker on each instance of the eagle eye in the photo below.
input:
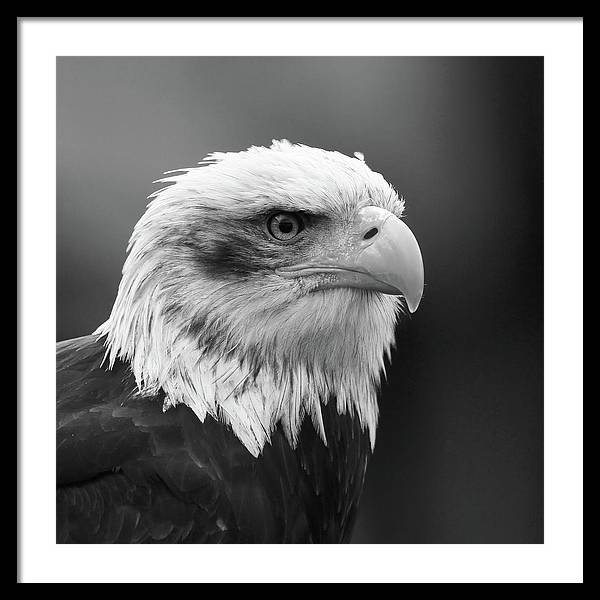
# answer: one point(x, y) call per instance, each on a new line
point(285, 226)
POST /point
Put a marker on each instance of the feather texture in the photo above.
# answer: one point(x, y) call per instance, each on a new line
point(221, 402)
point(127, 472)
point(201, 315)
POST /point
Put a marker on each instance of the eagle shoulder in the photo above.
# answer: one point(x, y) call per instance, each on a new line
point(129, 472)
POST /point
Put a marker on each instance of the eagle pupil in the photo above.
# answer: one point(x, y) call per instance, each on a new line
point(286, 226)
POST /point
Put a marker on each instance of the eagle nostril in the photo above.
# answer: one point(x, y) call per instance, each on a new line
point(371, 233)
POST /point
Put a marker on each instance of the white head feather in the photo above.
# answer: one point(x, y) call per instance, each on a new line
point(201, 314)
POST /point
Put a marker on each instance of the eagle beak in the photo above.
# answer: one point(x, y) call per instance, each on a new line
point(382, 254)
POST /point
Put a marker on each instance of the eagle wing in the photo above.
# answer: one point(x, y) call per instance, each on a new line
point(125, 472)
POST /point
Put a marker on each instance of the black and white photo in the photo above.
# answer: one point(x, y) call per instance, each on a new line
point(302, 298)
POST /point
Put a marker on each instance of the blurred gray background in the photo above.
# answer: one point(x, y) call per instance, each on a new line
point(459, 454)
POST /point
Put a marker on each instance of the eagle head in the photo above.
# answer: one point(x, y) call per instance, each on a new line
point(264, 283)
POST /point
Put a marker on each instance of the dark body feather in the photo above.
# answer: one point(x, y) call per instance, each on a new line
point(129, 472)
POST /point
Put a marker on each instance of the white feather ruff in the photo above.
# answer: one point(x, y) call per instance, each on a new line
point(261, 351)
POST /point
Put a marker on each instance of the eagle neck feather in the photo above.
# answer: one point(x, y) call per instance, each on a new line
point(253, 377)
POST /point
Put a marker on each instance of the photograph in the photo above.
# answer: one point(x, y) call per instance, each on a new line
point(328, 326)
point(290, 284)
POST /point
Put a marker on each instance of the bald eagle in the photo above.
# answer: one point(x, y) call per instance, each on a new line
point(231, 396)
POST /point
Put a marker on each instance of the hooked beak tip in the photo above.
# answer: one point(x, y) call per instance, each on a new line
point(413, 303)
